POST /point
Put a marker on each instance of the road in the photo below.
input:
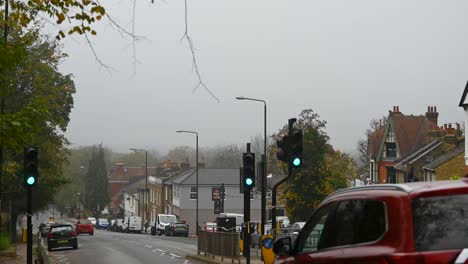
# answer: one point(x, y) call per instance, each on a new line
point(110, 247)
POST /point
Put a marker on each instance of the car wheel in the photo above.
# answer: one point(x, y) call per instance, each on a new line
point(186, 234)
point(49, 248)
point(75, 246)
point(91, 234)
point(158, 233)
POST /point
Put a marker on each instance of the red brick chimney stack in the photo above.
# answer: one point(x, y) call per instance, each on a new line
point(432, 114)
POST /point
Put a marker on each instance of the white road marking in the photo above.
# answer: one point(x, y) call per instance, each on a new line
point(160, 250)
point(186, 262)
point(162, 254)
point(148, 246)
point(174, 255)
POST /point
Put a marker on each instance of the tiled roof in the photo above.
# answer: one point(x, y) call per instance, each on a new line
point(419, 153)
point(445, 158)
point(375, 141)
point(209, 177)
point(410, 132)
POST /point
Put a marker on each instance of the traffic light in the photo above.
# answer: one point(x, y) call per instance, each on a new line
point(283, 148)
point(31, 171)
point(295, 148)
point(248, 179)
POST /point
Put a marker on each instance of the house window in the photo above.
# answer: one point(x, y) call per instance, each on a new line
point(390, 150)
point(193, 193)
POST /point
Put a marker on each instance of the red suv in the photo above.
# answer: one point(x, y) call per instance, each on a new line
point(414, 223)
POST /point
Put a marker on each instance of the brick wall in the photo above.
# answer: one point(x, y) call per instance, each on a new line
point(454, 167)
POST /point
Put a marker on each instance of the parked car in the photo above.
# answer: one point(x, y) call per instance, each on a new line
point(422, 222)
point(297, 227)
point(84, 226)
point(61, 235)
point(209, 226)
point(93, 220)
point(176, 229)
point(102, 223)
point(44, 229)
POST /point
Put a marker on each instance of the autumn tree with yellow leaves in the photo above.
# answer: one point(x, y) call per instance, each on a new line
point(324, 171)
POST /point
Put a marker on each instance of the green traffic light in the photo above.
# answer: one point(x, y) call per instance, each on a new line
point(249, 181)
point(297, 162)
point(31, 180)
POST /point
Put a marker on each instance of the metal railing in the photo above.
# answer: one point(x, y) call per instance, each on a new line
point(221, 244)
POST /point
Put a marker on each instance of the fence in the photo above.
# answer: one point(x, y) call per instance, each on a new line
point(219, 244)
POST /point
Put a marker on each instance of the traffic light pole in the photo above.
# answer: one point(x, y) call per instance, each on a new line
point(275, 187)
point(247, 220)
point(29, 224)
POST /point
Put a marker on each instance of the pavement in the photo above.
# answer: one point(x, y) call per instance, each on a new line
point(219, 260)
point(19, 256)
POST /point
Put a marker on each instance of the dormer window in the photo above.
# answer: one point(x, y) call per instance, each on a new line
point(390, 148)
point(391, 151)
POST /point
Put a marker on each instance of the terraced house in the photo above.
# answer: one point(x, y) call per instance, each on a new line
point(408, 148)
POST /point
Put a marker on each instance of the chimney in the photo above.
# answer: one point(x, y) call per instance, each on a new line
point(396, 110)
point(432, 114)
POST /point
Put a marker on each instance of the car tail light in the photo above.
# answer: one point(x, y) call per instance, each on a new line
point(49, 235)
point(73, 234)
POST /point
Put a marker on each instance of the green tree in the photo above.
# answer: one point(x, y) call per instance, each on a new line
point(95, 193)
point(38, 103)
point(325, 170)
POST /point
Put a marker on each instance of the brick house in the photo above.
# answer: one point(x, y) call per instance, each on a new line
point(119, 177)
point(400, 147)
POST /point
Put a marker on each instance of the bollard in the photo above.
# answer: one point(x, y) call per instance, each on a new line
point(24, 235)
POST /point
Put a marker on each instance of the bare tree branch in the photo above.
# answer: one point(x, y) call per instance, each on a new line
point(96, 57)
point(187, 37)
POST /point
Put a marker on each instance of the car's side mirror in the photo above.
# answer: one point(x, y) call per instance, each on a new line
point(283, 246)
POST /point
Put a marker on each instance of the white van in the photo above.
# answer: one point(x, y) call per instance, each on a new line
point(162, 222)
point(132, 224)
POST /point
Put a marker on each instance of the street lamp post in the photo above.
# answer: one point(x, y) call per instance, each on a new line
point(145, 194)
point(263, 180)
point(196, 166)
point(78, 206)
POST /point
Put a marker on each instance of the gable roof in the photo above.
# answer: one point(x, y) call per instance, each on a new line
point(410, 132)
point(209, 176)
point(375, 140)
point(463, 98)
point(419, 153)
point(445, 158)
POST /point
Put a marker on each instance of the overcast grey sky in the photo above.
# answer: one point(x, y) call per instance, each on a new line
point(349, 60)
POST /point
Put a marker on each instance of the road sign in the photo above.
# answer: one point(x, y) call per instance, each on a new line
point(267, 249)
point(215, 193)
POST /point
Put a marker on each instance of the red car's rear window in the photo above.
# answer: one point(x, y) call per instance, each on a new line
point(85, 222)
point(440, 222)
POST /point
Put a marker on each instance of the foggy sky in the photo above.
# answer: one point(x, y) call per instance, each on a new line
point(350, 61)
